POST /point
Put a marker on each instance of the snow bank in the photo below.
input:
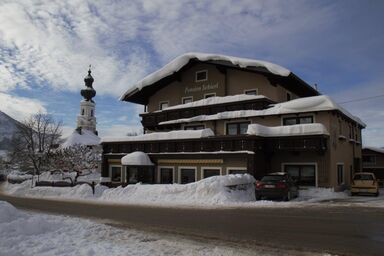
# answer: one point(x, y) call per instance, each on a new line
point(179, 62)
point(320, 194)
point(288, 130)
point(59, 176)
point(173, 135)
point(8, 212)
point(301, 105)
point(18, 177)
point(85, 138)
point(216, 100)
point(136, 158)
point(210, 191)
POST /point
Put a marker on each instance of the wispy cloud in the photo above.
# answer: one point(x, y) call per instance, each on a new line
point(20, 108)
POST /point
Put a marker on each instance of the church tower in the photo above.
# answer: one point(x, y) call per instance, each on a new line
point(87, 120)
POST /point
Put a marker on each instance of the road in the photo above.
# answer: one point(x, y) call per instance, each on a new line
point(336, 230)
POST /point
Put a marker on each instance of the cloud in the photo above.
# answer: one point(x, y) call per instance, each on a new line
point(20, 108)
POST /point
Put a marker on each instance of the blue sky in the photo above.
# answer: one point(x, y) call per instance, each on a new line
point(46, 47)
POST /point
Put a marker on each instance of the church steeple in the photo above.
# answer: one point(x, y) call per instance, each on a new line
point(88, 93)
point(86, 119)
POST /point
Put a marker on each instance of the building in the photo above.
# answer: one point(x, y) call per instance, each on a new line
point(373, 161)
point(208, 114)
point(85, 133)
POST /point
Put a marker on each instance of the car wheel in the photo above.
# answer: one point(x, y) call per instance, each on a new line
point(288, 197)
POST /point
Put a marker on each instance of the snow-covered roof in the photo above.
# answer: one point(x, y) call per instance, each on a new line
point(179, 62)
point(172, 135)
point(288, 130)
point(136, 158)
point(300, 105)
point(376, 149)
point(86, 137)
point(216, 100)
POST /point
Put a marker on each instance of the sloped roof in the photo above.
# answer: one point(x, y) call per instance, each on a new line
point(87, 138)
point(137, 92)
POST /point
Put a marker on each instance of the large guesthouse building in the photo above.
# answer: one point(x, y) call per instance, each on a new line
point(208, 115)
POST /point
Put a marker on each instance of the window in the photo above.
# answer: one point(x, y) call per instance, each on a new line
point(186, 100)
point(237, 128)
point(298, 120)
point(210, 172)
point(164, 105)
point(143, 174)
point(340, 174)
point(132, 175)
point(369, 159)
point(209, 95)
point(201, 76)
point(115, 172)
point(236, 171)
point(251, 92)
point(288, 96)
point(305, 175)
point(82, 111)
point(91, 112)
point(166, 175)
point(194, 127)
point(187, 175)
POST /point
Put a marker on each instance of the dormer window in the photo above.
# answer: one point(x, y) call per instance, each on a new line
point(201, 76)
point(209, 95)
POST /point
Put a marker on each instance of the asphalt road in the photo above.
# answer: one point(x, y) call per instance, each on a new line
point(336, 230)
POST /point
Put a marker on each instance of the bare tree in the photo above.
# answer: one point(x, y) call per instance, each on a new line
point(35, 140)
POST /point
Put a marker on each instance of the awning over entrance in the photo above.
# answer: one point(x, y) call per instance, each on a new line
point(136, 158)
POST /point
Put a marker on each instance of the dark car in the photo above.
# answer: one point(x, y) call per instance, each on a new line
point(278, 185)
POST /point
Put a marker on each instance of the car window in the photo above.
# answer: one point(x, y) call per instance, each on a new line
point(273, 178)
point(363, 177)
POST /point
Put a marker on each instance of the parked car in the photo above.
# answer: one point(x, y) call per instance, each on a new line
point(364, 183)
point(277, 185)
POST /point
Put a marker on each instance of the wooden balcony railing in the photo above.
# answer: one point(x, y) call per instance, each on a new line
point(222, 143)
point(151, 120)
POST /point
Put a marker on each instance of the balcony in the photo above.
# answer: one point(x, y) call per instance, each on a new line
point(316, 143)
point(151, 120)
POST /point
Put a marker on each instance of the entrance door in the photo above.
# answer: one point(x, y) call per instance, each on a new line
point(305, 174)
point(166, 175)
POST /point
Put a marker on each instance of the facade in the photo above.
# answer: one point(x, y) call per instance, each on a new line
point(373, 161)
point(208, 115)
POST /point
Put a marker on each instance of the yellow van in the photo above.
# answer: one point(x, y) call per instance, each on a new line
point(364, 183)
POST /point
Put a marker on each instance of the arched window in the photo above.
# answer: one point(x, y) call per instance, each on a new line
point(82, 111)
point(91, 112)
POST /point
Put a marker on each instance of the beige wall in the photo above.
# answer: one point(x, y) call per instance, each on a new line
point(232, 83)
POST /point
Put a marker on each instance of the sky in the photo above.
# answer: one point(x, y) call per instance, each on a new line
point(47, 46)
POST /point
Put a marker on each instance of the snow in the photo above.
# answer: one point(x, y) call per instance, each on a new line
point(26, 233)
point(216, 100)
point(301, 105)
point(206, 152)
point(379, 150)
point(172, 135)
point(17, 176)
point(288, 130)
point(136, 158)
point(85, 138)
point(179, 62)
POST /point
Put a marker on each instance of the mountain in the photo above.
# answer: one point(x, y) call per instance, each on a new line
point(8, 127)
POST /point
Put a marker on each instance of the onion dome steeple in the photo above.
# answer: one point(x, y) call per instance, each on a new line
point(88, 93)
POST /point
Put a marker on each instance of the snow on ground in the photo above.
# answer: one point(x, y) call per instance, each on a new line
point(23, 233)
point(217, 191)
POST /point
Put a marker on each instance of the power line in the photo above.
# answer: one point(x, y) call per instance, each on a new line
point(362, 99)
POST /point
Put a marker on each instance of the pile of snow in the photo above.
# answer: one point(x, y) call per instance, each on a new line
point(216, 190)
point(83, 191)
point(179, 62)
point(312, 195)
point(301, 105)
point(136, 158)
point(30, 234)
point(172, 135)
point(216, 100)
point(288, 130)
point(376, 149)
point(18, 177)
point(86, 137)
